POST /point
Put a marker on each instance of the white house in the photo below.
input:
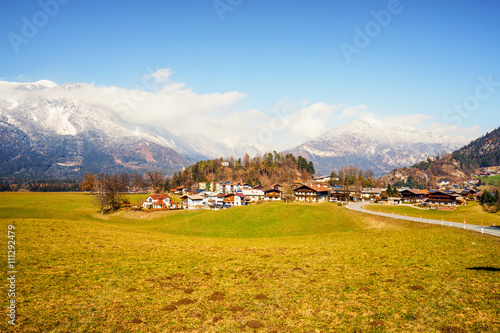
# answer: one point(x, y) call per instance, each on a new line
point(213, 200)
point(192, 201)
point(234, 199)
point(273, 195)
point(369, 192)
point(253, 195)
point(157, 201)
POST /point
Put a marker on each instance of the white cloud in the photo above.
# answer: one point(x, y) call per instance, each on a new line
point(352, 111)
point(218, 116)
point(312, 120)
point(451, 129)
point(423, 121)
point(409, 119)
point(172, 106)
point(161, 75)
point(21, 78)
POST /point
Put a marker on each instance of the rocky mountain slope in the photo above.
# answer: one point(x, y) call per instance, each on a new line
point(455, 167)
point(60, 137)
point(483, 152)
point(376, 145)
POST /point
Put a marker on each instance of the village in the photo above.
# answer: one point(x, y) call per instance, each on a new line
point(221, 195)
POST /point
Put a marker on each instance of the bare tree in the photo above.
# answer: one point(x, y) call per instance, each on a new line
point(125, 181)
point(156, 180)
point(100, 197)
point(108, 192)
point(138, 182)
point(288, 193)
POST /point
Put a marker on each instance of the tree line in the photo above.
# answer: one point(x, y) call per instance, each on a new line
point(353, 176)
point(490, 201)
point(40, 186)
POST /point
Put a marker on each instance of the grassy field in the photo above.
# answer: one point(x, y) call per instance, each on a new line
point(493, 180)
point(266, 268)
point(473, 212)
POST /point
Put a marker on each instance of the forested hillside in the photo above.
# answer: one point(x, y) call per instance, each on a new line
point(263, 170)
point(483, 152)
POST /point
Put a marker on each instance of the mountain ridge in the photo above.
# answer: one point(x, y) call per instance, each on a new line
point(376, 145)
point(457, 166)
point(60, 137)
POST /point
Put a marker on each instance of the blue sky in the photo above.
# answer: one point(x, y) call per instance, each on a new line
point(428, 58)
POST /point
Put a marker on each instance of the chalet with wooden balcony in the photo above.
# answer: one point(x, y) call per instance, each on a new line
point(311, 193)
point(413, 196)
point(273, 194)
point(469, 194)
point(447, 198)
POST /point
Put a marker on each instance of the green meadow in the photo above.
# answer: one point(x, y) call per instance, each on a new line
point(493, 180)
point(473, 213)
point(266, 268)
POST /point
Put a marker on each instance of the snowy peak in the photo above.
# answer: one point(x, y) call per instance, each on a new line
point(46, 83)
point(30, 86)
point(384, 132)
point(53, 135)
point(377, 145)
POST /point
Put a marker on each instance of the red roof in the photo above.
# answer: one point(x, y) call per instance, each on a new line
point(159, 196)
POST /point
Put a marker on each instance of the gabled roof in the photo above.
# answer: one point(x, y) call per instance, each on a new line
point(451, 194)
point(374, 190)
point(194, 197)
point(315, 188)
point(416, 192)
point(269, 190)
point(159, 196)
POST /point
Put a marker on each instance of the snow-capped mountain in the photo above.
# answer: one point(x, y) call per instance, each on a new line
point(372, 144)
point(50, 135)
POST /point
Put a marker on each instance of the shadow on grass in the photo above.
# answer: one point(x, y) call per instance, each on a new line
point(489, 269)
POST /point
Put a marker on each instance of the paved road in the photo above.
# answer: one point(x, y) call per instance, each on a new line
point(358, 206)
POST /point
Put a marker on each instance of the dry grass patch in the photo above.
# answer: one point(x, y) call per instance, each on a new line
point(351, 278)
